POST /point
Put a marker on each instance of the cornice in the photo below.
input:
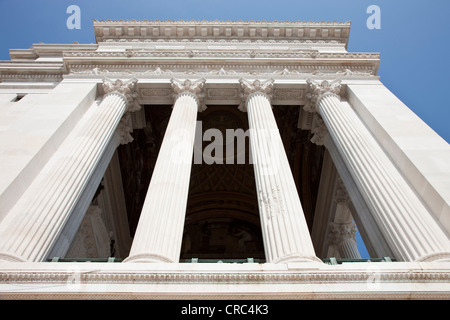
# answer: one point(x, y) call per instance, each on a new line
point(217, 22)
point(179, 29)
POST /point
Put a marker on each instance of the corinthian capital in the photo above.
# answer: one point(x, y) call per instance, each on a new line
point(127, 89)
point(193, 88)
point(251, 87)
point(340, 232)
point(318, 90)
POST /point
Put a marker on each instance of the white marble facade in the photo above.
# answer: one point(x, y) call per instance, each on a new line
point(67, 107)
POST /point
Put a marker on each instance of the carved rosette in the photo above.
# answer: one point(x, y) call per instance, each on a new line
point(250, 88)
point(126, 89)
point(315, 93)
point(193, 88)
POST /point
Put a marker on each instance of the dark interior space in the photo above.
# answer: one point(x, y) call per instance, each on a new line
point(222, 216)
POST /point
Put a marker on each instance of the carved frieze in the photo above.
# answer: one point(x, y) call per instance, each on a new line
point(287, 94)
point(222, 93)
point(155, 92)
point(402, 275)
point(299, 54)
point(224, 71)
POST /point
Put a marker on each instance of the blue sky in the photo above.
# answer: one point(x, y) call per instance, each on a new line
point(413, 39)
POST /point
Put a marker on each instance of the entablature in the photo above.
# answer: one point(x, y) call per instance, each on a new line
point(197, 48)
point(204, 30)
point(220, 91)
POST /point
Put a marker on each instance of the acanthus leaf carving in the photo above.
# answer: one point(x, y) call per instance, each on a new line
point(339, 232)
point(127, 89)
point(194, 88)
point(264, 87)
point(319, 130)
point(125, 128)
point(317, 90)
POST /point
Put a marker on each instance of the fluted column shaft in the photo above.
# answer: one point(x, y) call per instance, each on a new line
point(342, 237)
point(284, 228)
point(407, 225)
point(159, 233)
point(348, 249)
point(31, 228)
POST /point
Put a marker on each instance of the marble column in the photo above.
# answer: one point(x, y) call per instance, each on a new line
point(343, 237)
point(159, 233)
point(409, 228)
point(33, 226)
point(342, 230)
point(284, 228)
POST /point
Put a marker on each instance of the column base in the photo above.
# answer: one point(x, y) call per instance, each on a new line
point(148, 258)
point(295, 258)
point(435, 257)
point(8, 257)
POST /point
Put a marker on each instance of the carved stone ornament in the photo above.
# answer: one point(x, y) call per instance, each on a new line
point(125, 128)
point(125, 88)
point(316, 91)
point(341, 194)
point(340, 232)
point(251, 87)
point(319, 129)
point(194, 88)
point(272, 202)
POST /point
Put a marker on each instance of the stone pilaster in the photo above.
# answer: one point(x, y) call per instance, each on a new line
point(285, 232)
point(409, 228)
point(34, 225)
point(158, 237)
